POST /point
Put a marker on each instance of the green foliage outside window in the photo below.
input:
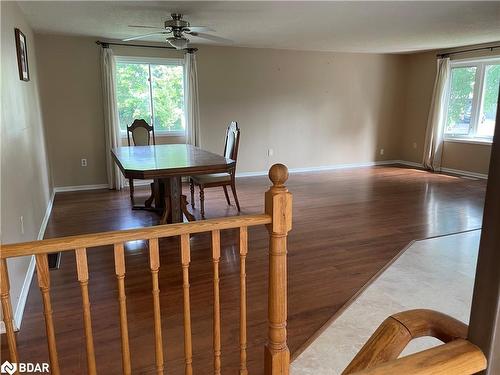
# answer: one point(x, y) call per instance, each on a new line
point(492, 82)
point(460, 100)
point(134, 99)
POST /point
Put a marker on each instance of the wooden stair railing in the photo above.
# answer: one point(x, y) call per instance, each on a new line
point(277, 218)
point(379, 356)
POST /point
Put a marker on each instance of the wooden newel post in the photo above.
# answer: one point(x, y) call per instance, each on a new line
point(278, 204)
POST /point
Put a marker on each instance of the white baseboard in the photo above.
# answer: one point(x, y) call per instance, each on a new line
point(46, 217)
point(458, 172)
point(322, 168)
point(62, 189)
point(139, 183)
point(465, 173)
point(409, 163)
point(367, 164)
point(23, 297)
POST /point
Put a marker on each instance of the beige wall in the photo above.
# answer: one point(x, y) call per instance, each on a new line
point(467, 157)
point(460, 156)
point(72, 109)
point(420, 75)
point(25, 187)
point(313, 109)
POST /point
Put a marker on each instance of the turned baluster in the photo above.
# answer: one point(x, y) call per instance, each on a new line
point(122, 301)
point(217, 332)
point(43, 276)
point(7, 310)
point(243, 300)
point(83, 278)
point(154, 263)
point(278, 204)
point(185, 260)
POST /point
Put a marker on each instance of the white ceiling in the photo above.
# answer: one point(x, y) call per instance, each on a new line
point(372, 26)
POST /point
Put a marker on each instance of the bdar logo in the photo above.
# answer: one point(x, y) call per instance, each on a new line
point(8, 368)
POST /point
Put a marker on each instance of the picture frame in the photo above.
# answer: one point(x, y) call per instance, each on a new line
point(22, 55)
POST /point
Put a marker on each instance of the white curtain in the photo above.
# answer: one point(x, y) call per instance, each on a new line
point(191, 97)
point(112, 128)
point(433, 149)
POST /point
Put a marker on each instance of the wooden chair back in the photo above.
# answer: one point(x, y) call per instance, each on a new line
point(232, 141)
point(142, 133)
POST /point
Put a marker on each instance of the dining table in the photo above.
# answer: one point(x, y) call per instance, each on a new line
point(166, 165)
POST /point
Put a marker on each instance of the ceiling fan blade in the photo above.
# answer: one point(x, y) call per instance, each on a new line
point(199, 28)
point(145, 35)
point(213, 38)
point(147, 27)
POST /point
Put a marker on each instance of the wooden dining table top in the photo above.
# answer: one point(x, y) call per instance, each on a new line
point(148, 162)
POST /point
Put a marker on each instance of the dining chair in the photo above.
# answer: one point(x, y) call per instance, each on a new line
point(220, 179)
point(142, 134)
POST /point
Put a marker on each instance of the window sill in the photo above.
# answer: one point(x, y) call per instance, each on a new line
point(170, 134)
point(472, 141)
point(160, 134)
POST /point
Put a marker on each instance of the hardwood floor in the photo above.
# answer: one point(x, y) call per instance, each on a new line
point(347, 225)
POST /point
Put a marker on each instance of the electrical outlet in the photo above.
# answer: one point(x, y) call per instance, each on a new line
point(21, 220)
point(84, 162)
point(381, 151)
point(270, 152)
point(415, 145)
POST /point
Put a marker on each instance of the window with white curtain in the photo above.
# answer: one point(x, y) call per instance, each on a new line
point(472, 100)
point(151, 89)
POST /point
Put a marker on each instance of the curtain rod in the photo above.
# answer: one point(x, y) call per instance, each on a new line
point(107, 44)
point(491, 48)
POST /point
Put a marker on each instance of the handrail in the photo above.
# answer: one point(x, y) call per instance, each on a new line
point(424, 322)
point(112, 237)
point(458, 357)
point(380, 353)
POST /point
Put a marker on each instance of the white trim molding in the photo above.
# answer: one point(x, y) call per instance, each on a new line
point(409, 163)
point(367, 164)
point(63, 189)
point(322, 168)
point(458, 172)
point(46, 217)
point(472, 141)
point(465, 173)
point(23, 296)
point(138, 182)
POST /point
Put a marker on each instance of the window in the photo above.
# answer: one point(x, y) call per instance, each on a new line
point(152, 89)
point(472, 100)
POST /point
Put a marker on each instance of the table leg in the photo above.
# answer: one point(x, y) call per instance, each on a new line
point(168, 195)
point(159, 193)
point(149, 201)
point(166, 212)
point(175, 199)
point(185, 210)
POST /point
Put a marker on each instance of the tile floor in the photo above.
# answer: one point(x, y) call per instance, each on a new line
point(435, 273)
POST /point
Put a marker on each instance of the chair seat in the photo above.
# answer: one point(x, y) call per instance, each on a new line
point(210, 178)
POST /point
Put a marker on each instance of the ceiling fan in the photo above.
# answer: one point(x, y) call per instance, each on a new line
point(175, 30)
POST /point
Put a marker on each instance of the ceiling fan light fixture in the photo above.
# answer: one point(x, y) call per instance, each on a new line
point(178, 42)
